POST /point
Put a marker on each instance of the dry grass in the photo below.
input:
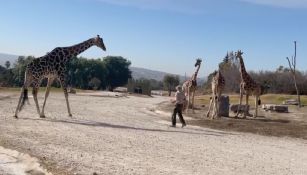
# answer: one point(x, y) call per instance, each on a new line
point(292, 124)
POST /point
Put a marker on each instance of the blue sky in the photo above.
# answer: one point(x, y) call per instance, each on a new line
point(165, 35)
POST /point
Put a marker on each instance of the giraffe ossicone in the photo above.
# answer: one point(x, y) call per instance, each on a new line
point(52, 66)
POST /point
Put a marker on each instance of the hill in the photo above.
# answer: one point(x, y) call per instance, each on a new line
point(7, 57)
point(138, 73)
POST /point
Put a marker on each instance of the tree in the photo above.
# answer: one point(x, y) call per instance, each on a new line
point(20, 68)
point(141, 86)
point(170, 82)
point(94, 83)
point(81, 71)
point(229, 67)
point(117, 71)
point(292, 66)
point(7, 64)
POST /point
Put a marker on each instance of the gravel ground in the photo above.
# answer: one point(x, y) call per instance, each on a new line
point(124, 135)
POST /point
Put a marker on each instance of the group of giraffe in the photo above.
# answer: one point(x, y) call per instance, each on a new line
point(53, 66)
point(247, 86)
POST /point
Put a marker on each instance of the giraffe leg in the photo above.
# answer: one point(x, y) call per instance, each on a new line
point(210, 105)
point(193, 102)
point(23, 95)
point(19, 102)
point(34, 92)
point(246, 106)
point(256, 106)
point(188, 106)
point(214, 107)
point(64, 86)
point(240, 103)
point(50, 80)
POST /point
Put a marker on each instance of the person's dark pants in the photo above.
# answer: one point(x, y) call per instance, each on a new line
point(178, 109)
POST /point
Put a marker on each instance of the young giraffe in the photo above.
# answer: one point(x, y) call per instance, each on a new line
point(52, 66)
point(247, 86)
point(190, 85)
point(217, 85)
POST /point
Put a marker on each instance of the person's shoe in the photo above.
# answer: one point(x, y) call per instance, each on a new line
point(183, 125)
point(174, 126)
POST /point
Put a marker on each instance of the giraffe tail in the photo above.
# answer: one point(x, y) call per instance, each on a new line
point(24, 98)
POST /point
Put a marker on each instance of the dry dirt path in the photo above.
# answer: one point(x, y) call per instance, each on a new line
point(123, 135)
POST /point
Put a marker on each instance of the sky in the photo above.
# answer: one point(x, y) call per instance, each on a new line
point(164, 35)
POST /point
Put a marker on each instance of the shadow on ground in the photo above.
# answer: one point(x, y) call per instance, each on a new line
point(108, 125)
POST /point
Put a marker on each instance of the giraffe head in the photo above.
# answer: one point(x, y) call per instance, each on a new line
point(215, 72)
point(99, 42)
point(239, 54)
point(198, 62)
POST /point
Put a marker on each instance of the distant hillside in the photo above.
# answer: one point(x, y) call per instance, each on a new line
point(7, 57)
point(138, 73)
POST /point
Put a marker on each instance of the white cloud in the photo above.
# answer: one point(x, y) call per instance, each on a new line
point(281, 3)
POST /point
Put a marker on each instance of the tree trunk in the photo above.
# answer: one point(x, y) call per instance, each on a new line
point(292, 66)
point(297, 91)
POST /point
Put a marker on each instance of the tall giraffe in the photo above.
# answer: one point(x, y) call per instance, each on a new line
point(247, 86)
point(52, 66)
point(190, 85)
point(217, 85)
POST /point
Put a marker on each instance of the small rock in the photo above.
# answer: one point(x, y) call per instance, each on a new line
point(234, 108)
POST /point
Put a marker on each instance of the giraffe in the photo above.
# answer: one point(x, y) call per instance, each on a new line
point(247, 86)
point(52, 66)
point(190, 85)
point(217, 85)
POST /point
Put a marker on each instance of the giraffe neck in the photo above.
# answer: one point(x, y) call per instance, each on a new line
point(196, 72)
point(242, 69)
point(75, 50)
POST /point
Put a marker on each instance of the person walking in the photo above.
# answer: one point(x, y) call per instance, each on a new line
point(179, 100)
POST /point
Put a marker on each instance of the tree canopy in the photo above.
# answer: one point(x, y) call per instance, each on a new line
point(117, 71)
point(83, 73)
point(170, 82)
point(278, 81)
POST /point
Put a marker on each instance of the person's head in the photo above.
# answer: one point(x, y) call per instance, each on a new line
point(179, 88)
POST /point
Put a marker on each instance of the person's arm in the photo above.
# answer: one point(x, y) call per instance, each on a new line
point(175, 98)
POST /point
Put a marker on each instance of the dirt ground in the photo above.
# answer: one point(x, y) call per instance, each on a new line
point(113, 134)
point(291, 124)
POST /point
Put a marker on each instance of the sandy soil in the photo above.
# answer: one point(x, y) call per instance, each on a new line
point(124, 135)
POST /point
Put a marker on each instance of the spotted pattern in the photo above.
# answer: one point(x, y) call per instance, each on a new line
point(53, 65)
point(190, 85)
point(248, 86)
